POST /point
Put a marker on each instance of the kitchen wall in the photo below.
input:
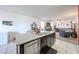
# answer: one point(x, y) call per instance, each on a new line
point(21, 24)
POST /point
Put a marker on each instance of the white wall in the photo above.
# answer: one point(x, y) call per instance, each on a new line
point(21, 24)
point(64, 21)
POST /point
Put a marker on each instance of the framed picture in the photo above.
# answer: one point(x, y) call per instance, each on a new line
point(9, 23)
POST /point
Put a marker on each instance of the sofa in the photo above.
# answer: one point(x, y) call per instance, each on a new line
point(64, 33)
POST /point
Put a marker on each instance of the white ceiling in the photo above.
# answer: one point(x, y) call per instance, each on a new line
point(38, 10)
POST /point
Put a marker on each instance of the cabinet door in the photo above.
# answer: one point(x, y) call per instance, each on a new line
point(38, 46)
point(48, 40)
point(28, 50)
point(31, 48)
point(52, 36)
point(35, 48)
point(43, 42)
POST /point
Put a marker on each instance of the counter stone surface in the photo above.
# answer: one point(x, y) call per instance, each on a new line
point(27, 37)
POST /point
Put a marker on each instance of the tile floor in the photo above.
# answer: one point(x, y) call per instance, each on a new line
point(65, 46)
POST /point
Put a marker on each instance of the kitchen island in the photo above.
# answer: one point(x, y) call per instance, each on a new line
point(31, 43)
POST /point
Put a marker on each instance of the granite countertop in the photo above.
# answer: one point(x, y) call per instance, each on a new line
point(30, 36)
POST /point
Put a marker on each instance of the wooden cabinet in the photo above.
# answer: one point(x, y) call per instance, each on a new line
point(48, 40)
point(40, 45)
point(52, 39)
point(43, 42)
point(28, 49)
